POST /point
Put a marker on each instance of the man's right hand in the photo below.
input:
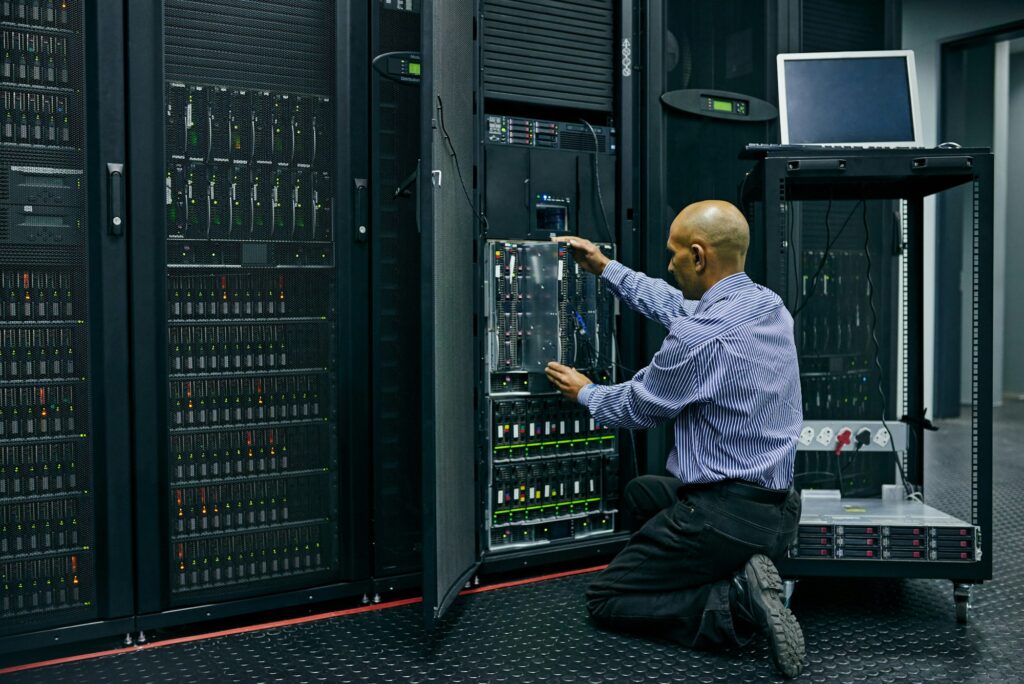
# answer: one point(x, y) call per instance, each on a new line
point(586, 253)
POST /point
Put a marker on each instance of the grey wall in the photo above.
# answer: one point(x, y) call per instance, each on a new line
point(926, 23)
point(1013, 366)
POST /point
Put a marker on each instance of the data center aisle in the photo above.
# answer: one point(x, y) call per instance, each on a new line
point(856, 631)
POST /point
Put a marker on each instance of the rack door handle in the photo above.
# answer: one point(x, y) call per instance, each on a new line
point(361, 187)
point(115, 199)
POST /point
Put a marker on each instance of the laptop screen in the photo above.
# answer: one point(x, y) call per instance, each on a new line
point(848, 99)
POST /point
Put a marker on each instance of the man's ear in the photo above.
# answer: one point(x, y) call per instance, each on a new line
point(699, 258)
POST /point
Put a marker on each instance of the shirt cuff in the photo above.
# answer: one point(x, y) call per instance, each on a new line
point(584, 394)
point(614, 273)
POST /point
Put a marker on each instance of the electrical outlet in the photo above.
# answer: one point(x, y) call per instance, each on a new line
point(807, 435)
point(825, 436)
point(882, 437)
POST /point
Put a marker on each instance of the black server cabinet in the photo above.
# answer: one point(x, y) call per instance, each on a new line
point(245, 310)
point(532, 127)
point(396, 368)
point(65, 525)
point(555, 103)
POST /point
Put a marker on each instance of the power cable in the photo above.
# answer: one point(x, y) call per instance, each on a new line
point(911, 494)
point(455, 160)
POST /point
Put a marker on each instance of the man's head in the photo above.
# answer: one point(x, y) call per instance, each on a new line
point(708, 241)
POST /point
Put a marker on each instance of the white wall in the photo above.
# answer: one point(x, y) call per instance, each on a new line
point(1013, 369)
point(926, 23)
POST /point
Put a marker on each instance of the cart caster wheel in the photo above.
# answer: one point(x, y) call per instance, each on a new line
point(962, 601)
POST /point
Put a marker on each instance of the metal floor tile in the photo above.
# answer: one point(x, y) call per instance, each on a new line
point(855, 630)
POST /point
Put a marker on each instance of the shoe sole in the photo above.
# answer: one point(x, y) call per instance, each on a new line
point(785, 638)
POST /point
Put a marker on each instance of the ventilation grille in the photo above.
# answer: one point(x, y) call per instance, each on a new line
point(581, 141)
point(549, 52)
point(40, 255)
point(221, 42)
point(830, 25)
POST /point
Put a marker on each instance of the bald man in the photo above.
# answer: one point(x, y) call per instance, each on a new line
point(698, 568)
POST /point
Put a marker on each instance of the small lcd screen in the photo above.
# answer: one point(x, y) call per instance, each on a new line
point(722, 106)
point(552, 218)
point(414, 68)
point(848, 100)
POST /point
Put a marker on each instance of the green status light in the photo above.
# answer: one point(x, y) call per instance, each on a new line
point(414, 68)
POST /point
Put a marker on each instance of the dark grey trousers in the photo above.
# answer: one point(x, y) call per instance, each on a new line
point(672, 579)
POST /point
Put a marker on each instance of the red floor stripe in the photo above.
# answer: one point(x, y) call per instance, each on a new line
point(531, 580)
point(286, 623)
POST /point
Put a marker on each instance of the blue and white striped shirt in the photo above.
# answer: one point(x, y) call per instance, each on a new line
point(727, 372)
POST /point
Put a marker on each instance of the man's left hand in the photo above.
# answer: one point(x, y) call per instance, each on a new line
point(567, 380)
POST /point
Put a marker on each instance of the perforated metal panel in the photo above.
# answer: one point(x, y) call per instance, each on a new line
point(448, 228)
point(260, 44)
point(829, 25)
point(549, 52)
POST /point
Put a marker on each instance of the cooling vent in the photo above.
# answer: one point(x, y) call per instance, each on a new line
point(549, 52)
point(843, 25)
point(251, 43)
point(584, 142)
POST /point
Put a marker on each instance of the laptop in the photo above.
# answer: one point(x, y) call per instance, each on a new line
point(849, 99)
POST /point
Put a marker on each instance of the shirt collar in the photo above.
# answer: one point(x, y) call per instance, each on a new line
point(723, 289)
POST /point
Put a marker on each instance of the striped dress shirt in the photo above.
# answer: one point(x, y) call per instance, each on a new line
point(727, 373)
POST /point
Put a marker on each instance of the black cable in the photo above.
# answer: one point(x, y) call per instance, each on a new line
point(611, 238)
point(594, 359)
point(839, 475)
point(597, 184)
point(790, 232)
point(824, 258)
point(455, 160)
point(878, 350)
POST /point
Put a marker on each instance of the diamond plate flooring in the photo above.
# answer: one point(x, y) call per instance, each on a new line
point(856, 630)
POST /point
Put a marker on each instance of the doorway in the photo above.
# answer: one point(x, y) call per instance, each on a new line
point(981, 78)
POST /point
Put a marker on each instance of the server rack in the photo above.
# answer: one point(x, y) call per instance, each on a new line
point(244, 298)
point(66, 528)
point(536, 140)
point(846, 533)
point(555, 158)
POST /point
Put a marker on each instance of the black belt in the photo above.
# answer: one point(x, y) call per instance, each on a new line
point(743, 490)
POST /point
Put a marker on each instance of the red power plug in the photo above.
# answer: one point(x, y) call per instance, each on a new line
point(843, 439)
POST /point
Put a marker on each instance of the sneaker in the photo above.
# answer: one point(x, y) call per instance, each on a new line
point(758, 598)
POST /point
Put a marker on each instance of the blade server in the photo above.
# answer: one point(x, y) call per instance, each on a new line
point(552, 470)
